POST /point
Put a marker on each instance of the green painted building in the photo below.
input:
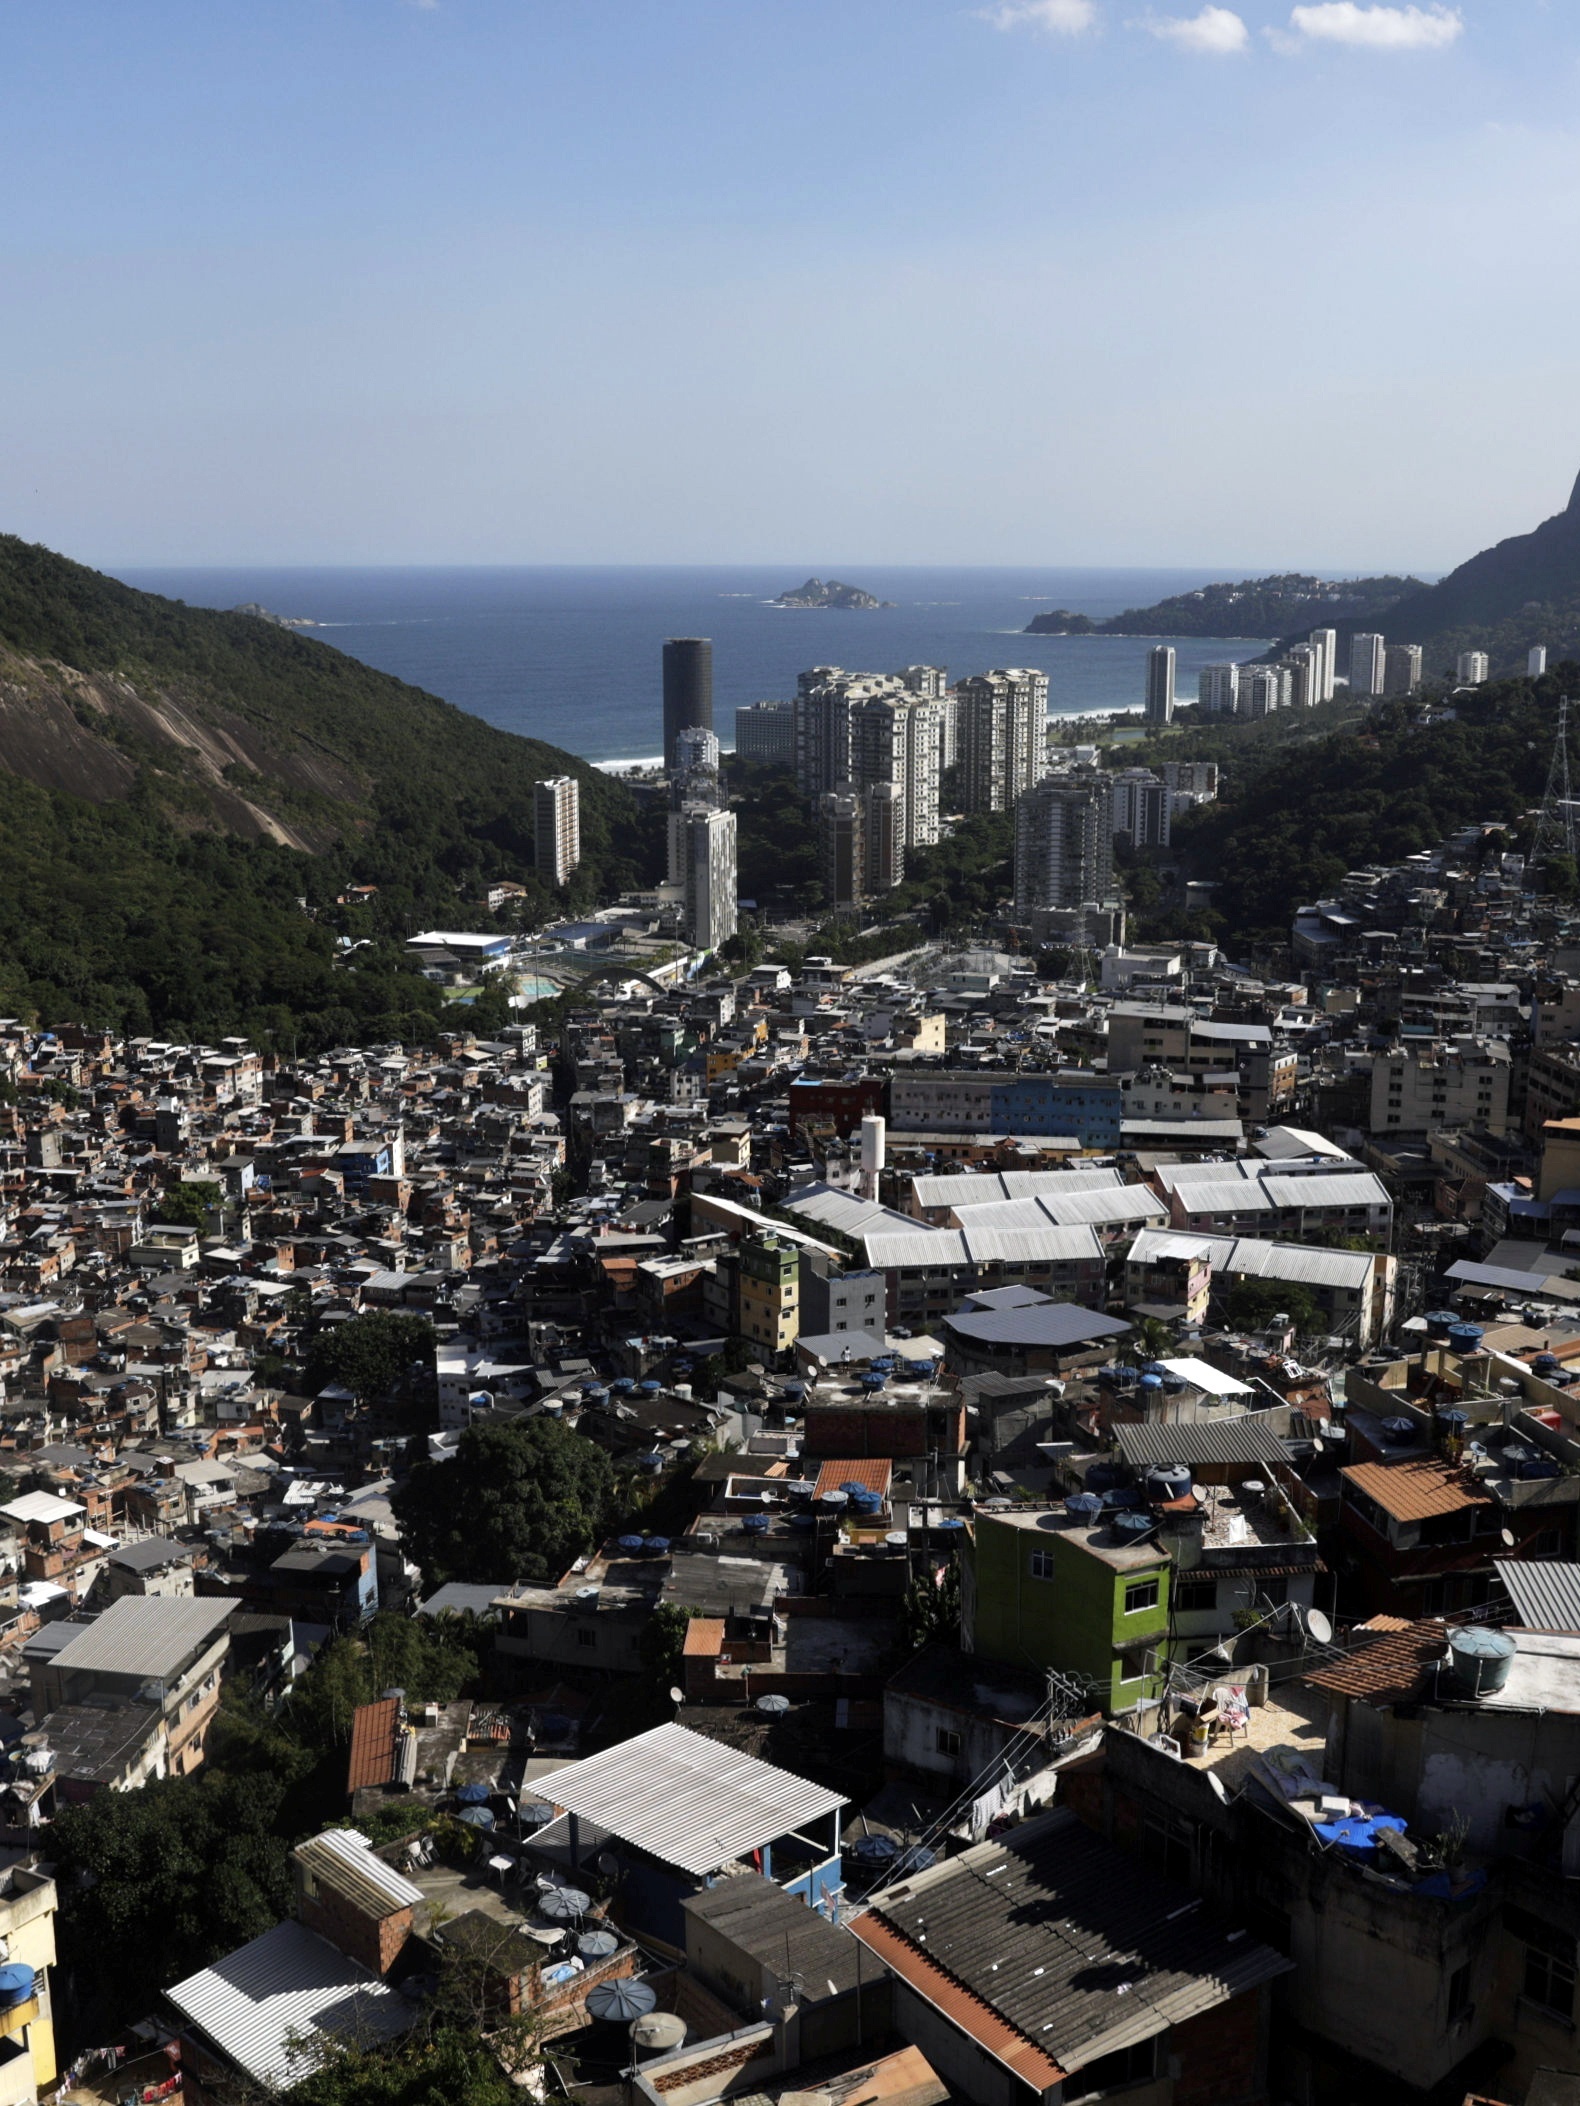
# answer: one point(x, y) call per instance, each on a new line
point(1040, 1591)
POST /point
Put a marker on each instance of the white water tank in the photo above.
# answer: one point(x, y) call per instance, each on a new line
point(873, 1131)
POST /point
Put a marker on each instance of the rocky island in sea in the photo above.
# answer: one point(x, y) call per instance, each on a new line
point(815, 593)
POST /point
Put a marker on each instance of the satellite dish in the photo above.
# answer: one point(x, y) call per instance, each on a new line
point(1506, 1538)
point(677, 1696)
point(1316, 1444)
point(1318, 1628)
point(1218, 1786)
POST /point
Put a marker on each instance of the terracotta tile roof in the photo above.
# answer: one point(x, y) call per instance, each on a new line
point(1418, 1490)
point(874, 1472)
point(704, 1638)
point(1386, 1623)
point(1388, 1671)
point(375, 1729)
point(974, 2017)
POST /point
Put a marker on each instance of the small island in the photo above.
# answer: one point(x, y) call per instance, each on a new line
point(815, 593)
point(280, 621)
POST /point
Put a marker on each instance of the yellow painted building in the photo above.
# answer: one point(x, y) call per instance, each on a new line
point(27, 2026)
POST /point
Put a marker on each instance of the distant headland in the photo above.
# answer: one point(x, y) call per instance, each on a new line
point(280, 621)
point(815, 593)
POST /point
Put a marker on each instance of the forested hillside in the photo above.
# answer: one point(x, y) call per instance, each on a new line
point(185, 794)
point(1291, 820)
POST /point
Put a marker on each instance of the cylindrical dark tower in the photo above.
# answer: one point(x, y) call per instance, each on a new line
point(688, 688)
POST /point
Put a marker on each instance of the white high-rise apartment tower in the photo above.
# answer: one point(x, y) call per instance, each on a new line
point(1160, 684)
point(1001, 736)
point(1536, 661)
point(1327, 642)
point(709, 876)
point(1304, 665)
point(1218, 689)
point(1470, 668)
point(556, 828)
point(1368, 655)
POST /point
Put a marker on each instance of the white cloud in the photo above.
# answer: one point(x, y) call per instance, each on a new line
point(1055, 18)
point(1378, 28)
point(1218, 31)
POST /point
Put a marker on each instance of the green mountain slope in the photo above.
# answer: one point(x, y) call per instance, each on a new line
point(174, 781)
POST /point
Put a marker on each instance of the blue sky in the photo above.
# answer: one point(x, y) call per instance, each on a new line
point(1064, 281)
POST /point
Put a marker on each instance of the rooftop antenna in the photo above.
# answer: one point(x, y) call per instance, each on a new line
point(1555, 823)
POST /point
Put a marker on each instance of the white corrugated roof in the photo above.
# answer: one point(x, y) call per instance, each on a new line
point(346, 1858)
point(145, 1634)
point(1067, 1209)
point(1334, 1188)
point(1239, 1196)
point(982, 1188)
point(1202, 1375)
point(1266, 1261)
point(686, 1799)
point(272, 2005)
point(41, 1506)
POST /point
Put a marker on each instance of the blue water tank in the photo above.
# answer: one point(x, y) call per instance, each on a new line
point(1482, 1659)
point(622, 1386)
point(1439, 1322)
point(1400, 1431)
point(657, 1546)
point(1168, 1481)
point(873, 1382)
point(652, 1389)
point(1151, 1386)
point(1465, 1338)
point(16, 1984)
point(1085, 1506)
point(756, 1524)
point(1546, 1363)
point(1453, 1422)
point(1132, 1524)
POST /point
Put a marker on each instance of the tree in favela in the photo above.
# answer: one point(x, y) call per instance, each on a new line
point(522, 1499)
point(1251, 1305)
point(190, 1203)
point(370, 1354)
point(158, 1882)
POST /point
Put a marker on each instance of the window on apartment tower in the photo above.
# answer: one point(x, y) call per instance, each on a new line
point(1139, 1595)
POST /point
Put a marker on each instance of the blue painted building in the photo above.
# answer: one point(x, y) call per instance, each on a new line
point(1073, 1101)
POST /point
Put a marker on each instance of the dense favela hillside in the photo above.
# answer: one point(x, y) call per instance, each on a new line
point(185, 796)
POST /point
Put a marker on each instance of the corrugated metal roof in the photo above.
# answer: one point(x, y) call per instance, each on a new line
point(1538, 1286)
point(1243, 1196)
point(982, 1188)
point(1246, 1436)
point(1416, 1490)
point(1259, 1260)
point(1332, 1188)
point(1545, 1592)
point(1065, 1210)
point(1046, 1926)
point(145, 1634)
point(345, 1860)
point(887, 1249)
point(686, 1799)
point(263, 2005)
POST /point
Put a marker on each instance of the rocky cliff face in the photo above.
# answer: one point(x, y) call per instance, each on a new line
point(93, 735)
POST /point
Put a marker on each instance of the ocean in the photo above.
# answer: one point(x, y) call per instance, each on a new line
point(571, 655)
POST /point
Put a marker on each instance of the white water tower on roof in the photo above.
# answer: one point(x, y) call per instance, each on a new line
point(873, 1132)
